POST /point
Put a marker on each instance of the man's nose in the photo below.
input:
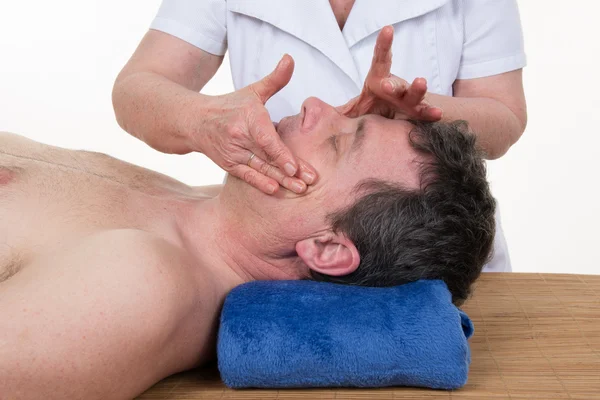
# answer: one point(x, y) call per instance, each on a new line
point(313, 109)
point(313, 102)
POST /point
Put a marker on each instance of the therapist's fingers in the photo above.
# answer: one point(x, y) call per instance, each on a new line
point(306, 172)
point(426, 112)
point(268, 140)
point(379, 70)
point(262, 166)
point(254, 178)
point(394, 87)
point(276, 80)
point(410, 99)
point(262, 130)
point(415, 93)
point(350, 108)
point(382, 55)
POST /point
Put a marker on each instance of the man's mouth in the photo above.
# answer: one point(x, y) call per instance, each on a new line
point(281, 126)
point(286, 125)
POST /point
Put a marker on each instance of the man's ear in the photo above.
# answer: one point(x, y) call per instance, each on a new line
point(330, 254)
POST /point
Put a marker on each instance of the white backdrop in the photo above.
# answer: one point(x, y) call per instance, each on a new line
point(58, 61)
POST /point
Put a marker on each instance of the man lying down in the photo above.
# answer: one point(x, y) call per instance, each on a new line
point(112, 276)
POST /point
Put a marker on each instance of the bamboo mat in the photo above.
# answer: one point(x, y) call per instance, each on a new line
point(537, 336)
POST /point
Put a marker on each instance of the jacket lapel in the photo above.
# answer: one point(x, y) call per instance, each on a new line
point(369, 16)
point(311, 21)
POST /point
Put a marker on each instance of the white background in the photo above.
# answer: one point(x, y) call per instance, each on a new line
point(58, 61)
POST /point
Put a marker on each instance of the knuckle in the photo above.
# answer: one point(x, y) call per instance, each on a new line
point(279, 154)
point(236, 132)
point(227, 159)
point(263, 138)
point(266, 169)
point(249, 176)
point(228, 164)
point(277, 150)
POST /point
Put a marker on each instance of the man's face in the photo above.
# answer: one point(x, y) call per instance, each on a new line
point(344, 151)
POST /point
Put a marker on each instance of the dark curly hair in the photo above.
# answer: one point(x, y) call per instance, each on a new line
point(443, 230)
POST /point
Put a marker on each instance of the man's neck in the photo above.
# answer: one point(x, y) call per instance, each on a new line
point(238, 245)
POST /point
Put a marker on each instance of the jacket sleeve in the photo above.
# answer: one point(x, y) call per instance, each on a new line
point(202, 23)
point(493, 38)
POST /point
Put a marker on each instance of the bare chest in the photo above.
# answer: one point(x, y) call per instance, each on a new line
point(341, 10)
point(52, 197)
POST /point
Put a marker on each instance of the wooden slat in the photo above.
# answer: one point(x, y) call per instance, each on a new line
point(537, 336)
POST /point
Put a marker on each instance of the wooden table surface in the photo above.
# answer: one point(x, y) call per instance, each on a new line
point(537, 336)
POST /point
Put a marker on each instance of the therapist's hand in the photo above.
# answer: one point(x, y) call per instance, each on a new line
point(240, 126)
point(388, 95)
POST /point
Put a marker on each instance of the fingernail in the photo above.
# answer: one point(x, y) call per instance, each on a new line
point(284, 61)
point(307, 177)
point(389, 86)
point(297, 187)
point(290, 169)
point(271, 188)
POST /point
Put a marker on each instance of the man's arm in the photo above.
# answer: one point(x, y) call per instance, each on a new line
point(105, 319)
point(494, 106)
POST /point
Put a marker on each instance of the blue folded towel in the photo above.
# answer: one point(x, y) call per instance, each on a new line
point(290, 334)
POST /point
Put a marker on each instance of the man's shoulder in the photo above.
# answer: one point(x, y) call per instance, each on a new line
point(17, 145)
point(143, 264)
point(11, 138)
point(141, 251)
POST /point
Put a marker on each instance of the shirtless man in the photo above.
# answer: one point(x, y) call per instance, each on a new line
point(112, 276)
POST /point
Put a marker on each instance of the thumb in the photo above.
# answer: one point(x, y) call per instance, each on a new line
point(276, 80)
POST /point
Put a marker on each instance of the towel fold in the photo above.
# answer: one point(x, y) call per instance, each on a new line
point(294, 334)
